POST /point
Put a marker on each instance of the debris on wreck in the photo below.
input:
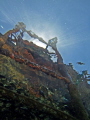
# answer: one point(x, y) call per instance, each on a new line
point(25, 68)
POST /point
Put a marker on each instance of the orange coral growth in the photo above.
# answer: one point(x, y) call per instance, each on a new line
point(5, 46)
point(28, 55)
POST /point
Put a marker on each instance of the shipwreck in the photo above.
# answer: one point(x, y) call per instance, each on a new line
point(32, 86)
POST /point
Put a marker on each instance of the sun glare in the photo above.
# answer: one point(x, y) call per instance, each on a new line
point(37, 42)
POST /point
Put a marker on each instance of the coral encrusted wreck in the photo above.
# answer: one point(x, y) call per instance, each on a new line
point(32, 86)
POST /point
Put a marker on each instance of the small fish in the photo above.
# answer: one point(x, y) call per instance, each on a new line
point(80, 63)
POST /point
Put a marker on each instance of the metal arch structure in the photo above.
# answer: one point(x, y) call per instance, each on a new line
point(22, 27)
